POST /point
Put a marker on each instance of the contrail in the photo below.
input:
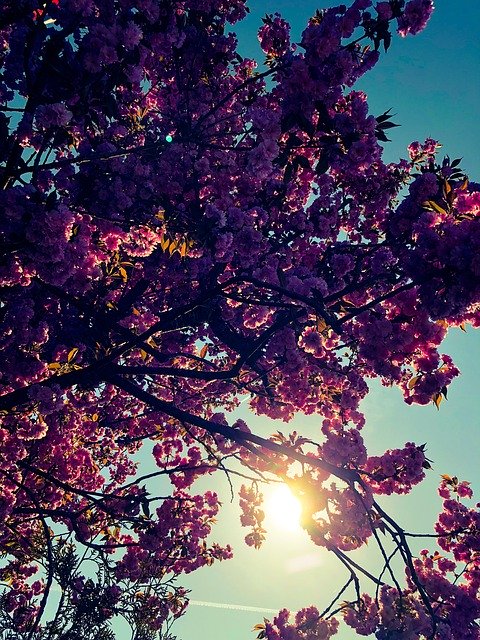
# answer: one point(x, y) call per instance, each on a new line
point(215, 605)
point(238, 607)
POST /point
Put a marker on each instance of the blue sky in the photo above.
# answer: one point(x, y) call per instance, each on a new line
point(432, 84)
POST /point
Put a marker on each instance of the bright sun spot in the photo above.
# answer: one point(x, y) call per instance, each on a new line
point(282, 510)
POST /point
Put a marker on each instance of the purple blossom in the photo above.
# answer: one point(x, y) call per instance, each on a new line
point(415, 17)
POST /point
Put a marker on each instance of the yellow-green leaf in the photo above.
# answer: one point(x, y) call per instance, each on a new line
point(123, 274)
point(413, 381)
point(165, 243)
point(437, 399)
point(53, 366)
point(432, 205)
point(321, 325)
point(72, 354)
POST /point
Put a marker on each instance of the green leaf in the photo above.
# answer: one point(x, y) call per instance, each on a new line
point(288, 172)
point(388, 125)
point(386, 115)
point(322, 165)
point(301, 161)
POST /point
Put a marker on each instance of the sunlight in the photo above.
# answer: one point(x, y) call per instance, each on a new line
point(283, 510)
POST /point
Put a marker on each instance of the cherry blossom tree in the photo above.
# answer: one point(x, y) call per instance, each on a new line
point(181, 231)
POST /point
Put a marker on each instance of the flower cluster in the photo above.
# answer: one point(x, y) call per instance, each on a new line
point(415, 16)
point(308, 625)
point(397, 471)
point(252, 515)
point(274, 36)
point(181, 234)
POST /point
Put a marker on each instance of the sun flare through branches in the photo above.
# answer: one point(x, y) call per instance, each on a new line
point(283, 510)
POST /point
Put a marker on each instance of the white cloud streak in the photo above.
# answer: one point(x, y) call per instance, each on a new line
point(237, 607)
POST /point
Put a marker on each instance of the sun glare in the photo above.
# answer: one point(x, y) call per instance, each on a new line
point(282, 509)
